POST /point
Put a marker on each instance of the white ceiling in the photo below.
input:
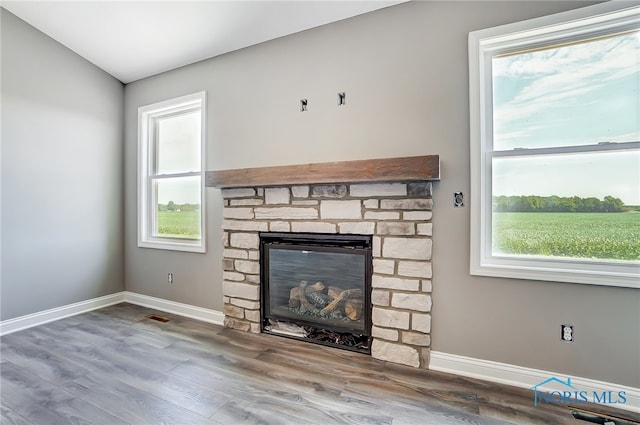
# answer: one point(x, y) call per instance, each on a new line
point(135, 39)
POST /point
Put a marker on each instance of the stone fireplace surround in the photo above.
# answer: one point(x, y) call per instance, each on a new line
point(393, 206)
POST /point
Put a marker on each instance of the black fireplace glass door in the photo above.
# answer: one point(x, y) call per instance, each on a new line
point(322, 286)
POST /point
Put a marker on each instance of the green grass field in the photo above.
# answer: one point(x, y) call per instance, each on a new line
point(179, 224)
point(612, 236)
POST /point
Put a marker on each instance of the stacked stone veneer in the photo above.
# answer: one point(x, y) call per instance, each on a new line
point(398, 215)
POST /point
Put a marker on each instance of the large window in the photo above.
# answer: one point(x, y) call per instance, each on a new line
point(171, 172)
point(555, 147)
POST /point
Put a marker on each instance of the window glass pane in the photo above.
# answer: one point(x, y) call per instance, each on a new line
point(583, 206)
point(578, 94)
point(178, 139)
point(177, 202)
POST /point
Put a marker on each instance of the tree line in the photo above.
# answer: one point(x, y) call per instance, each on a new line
point(172, 206)
point(554, 203)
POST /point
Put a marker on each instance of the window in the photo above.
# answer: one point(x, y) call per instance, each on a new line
point(555, 147)
point(171, 174)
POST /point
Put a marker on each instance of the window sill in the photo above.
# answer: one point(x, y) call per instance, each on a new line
point(177, 245)
point(623, 275)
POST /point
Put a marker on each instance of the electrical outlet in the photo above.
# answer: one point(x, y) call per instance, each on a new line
point(567, 333)
point(458, 199)
point(170, 278)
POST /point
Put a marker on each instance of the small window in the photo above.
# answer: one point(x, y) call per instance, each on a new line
point(171, 174)
point(555, 147)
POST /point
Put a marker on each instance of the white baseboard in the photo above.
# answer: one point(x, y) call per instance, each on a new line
point(187, 310)
point(42, 317)
point(46, 316)
point(523, 377)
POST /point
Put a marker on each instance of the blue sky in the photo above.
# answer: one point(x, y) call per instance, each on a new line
point(571, 95)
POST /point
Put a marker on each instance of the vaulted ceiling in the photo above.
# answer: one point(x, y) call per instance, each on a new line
point(136, 39)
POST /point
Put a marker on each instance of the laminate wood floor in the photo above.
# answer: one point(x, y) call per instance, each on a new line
point(116, 366)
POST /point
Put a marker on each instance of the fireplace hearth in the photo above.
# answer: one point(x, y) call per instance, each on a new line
point(316, 287)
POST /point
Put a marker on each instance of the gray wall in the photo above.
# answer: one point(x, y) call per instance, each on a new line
point(405, 71)
point(62, 167)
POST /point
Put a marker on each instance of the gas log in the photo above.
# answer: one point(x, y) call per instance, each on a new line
point(294, 293)
point(346, 294)
point(353, 309)
point(319, 299)
point(302, 295)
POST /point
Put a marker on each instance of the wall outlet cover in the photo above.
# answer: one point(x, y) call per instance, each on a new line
point(566, 333)
point(458, 199)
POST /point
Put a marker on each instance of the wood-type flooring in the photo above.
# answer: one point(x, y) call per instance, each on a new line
point(117, 366)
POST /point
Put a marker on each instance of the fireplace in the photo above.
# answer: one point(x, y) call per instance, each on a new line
point(291, 213)
point(316, 287)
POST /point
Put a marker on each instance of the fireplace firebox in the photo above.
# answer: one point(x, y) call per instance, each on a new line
point(317, 287)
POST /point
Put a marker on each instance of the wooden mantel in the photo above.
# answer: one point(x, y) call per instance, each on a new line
point(413, 168)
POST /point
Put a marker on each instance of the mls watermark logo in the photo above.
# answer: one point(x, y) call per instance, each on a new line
point(556, 391)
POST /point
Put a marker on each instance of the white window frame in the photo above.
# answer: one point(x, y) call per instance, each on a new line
point(604, 18)
point(147, 116)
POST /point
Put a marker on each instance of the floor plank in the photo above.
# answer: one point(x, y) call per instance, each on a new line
point(131, 370)
point(132, 405)
point(116, 366)
point(9, 417)
point(43, 402)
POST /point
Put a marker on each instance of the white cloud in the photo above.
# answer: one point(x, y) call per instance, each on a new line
point(522, 108)
point(511, 138)
point(605, 53)
point(557, 76)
